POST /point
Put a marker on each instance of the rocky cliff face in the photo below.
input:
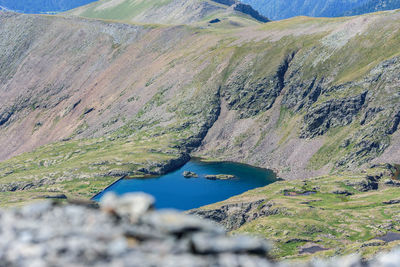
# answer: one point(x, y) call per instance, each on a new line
point(294, 99)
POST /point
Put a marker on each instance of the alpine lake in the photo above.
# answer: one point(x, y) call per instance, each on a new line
point(213, 182)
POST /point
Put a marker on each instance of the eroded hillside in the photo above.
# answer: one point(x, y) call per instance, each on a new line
point(104, 100)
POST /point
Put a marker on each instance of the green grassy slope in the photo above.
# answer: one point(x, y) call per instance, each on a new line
point(343, 215)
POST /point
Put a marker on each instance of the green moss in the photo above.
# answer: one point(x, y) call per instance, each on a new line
point(332, 149)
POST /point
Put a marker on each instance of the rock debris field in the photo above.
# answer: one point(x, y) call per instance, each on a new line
point(127, 231)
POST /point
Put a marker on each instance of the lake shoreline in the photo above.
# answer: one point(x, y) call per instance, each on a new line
point(182, 161)
point(173, 190)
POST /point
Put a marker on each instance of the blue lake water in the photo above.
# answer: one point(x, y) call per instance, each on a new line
point(175, 191)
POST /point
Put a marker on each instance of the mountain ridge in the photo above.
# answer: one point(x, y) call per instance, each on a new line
point(274, 9)
point(167, 11)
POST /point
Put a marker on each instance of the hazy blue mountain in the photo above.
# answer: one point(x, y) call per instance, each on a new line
point(374, 5)
point(41, 6)
point(282, 9)
point(273, 9)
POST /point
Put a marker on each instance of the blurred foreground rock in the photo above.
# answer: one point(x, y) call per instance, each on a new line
point(128, 232)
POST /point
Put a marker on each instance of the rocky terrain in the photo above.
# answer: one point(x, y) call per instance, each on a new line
point(127, 232)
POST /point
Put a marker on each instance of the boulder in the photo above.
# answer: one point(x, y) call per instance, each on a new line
point(188, 174)
point(220, 177)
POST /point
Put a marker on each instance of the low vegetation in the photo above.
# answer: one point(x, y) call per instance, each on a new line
point(342, 214)
point(83, 168)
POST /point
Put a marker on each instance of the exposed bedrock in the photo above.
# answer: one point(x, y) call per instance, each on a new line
point(333, 113)
point(233, 216)
point(268, 108)
point(251, 96)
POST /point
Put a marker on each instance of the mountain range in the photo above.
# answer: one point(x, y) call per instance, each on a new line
point(373, 6)
point(41, 6)
point(282, 9)
point(272, 9)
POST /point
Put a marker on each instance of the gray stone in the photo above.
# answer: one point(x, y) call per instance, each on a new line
point(223, 244)
point(130, 205)
point(49, 234)
point(173, 222)
point(188, 174)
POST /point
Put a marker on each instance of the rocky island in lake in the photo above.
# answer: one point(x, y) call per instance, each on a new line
point(188, 174)
point(220, 177)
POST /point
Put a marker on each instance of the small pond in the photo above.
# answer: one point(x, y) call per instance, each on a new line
point(390, 237)
point(175, 191)
point(312, 250)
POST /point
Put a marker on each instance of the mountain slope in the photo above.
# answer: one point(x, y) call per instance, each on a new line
point(303, 96)
point(42, 6)
point(166, 11)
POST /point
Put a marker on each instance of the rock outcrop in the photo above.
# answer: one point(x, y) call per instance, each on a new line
point(232, 216)
point(249, 10)
point(188, 174)
point(333, 113)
